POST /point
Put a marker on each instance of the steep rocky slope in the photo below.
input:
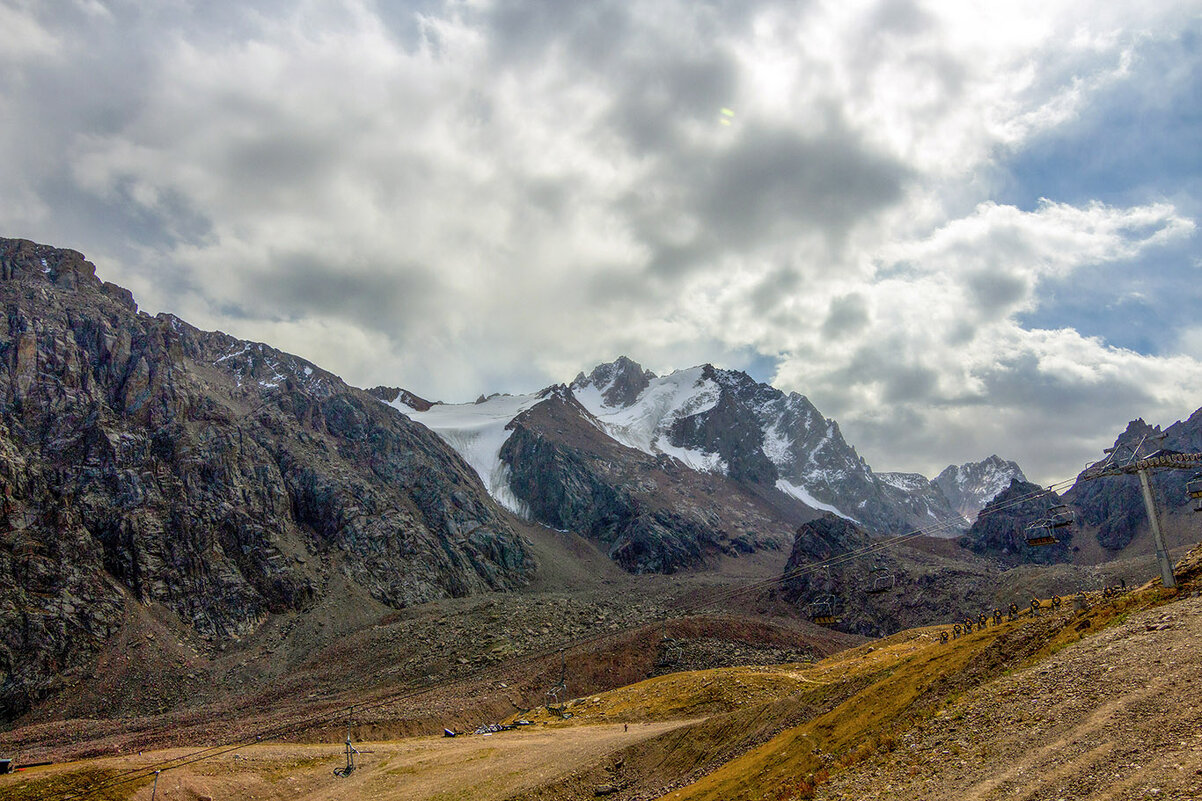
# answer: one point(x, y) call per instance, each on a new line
point(146, 462)
point(923, 504)
point(650, 513)
point(1115, 504)
point(875, 591)
point(726, 422)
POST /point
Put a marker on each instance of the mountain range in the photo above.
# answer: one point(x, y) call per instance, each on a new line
point(599, 455)
point(157, 477)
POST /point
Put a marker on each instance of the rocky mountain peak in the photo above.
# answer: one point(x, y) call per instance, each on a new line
point(970, 486)
point(1138, 431)
point(395, 395)
point(620, 382)
point(226, 481)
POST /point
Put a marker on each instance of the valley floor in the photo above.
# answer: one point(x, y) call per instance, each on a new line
point(1101, 703)
point(471, 768)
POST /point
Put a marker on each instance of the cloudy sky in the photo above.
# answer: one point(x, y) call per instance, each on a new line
point(959, 228)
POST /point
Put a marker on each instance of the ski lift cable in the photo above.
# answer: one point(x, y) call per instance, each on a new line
point(311, 722)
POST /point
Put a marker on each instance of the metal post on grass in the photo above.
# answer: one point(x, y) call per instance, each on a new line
point(155, 790)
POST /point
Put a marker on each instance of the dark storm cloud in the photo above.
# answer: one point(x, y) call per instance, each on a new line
point(848, 315)
point(771, 184)
point(661, 93)
point(381, 297)
point(774, 288)
point(775, 180)
point(996, 293)
point(900, 18)
point(886, 365)
point(524, 31)
point(1022, 381)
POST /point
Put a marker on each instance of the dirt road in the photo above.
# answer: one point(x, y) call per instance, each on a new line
point(475, 767)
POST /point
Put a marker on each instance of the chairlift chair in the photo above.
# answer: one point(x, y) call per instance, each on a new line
point(1193, 490)
point(822, 611)
point(1061, 516)
point(1040, 533)
point(883, 580)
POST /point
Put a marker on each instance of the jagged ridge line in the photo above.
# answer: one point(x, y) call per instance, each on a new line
point(304, 725)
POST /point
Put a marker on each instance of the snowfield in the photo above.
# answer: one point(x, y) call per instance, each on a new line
point(477, 431)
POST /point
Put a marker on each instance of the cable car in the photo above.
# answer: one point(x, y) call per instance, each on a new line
point(882, 580)
point(1040, 533)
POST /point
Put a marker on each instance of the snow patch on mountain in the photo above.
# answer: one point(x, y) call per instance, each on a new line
point(805, 497)
point(644, 424)
point(477, 431)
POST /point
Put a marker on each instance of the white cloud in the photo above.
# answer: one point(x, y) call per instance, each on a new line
point(24, 36)
point(491, 196)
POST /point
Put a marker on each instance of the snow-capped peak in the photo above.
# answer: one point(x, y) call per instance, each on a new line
point(645, 421)
point(970, 486)
point(618, 383)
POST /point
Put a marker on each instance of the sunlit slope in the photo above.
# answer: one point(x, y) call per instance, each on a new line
point(910, 678)
point(781, 732)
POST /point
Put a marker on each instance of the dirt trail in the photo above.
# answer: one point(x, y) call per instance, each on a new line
point(1114, 716)
point(472, 768)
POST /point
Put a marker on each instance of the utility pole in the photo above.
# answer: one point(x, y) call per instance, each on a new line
point(1141, 466)
point(1162, 553)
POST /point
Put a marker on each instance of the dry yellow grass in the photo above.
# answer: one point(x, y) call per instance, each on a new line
point(871, 694)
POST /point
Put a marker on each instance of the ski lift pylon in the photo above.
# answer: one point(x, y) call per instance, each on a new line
point(556, 701)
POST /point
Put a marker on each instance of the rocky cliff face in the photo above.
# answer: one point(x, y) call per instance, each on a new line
point(1000, 528)
point(147, 462)
point(925, 587)
point(923, 504)
point(651, 513)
